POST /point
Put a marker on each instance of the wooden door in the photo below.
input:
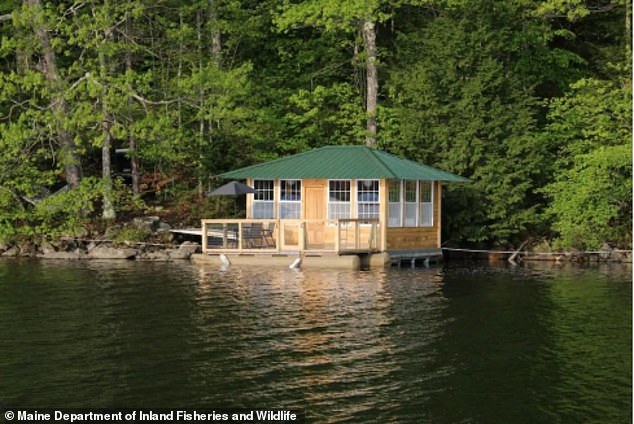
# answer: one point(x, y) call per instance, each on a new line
point(314, 204)
point(315, 209)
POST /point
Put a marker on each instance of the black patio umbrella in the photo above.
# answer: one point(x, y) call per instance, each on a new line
point(231, 189)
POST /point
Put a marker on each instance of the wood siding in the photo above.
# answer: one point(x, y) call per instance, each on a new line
point(315, 207)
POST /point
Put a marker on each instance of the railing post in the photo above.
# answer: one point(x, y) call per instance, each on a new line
point(225, 234)
point(240, 236)
point(278, 238)
point(357, 235)
point(372, 240)
point(203, 235)
point(301, 237)
point(338, 237)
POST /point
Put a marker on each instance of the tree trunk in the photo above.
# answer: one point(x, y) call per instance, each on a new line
point(216, 40)
point(132, 152)
point(108, 206)
point(201, 95)
point(372, 80)
point(68, 150)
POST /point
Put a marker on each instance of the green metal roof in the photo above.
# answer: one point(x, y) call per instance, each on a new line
point(343, 162)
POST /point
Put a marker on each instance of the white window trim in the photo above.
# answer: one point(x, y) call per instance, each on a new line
point(272, 202)
point(432, 188)
point(349, 202)
point(405, 203)
point(290, 202)
point(378, 197)
point(400, 202)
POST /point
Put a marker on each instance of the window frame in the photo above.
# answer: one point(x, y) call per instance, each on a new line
point(376, 203)
point(399, 216)
point(297, 203)
point(430, 204)
point(339, 202)
point(410, 203)
point(269, 203)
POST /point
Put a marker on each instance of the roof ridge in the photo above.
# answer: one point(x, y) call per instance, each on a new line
point(375, 154)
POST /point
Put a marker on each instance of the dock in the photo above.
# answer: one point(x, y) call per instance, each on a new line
point(412, 258)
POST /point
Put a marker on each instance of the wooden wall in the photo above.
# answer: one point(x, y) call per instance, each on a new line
point(392, 238)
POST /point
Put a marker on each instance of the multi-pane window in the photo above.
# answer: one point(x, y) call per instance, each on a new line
point(395, 211)
point(411, 203)
point(338, 199)
point(368, 199)
point(426, 204)
point(290, 199)
point(263, 199)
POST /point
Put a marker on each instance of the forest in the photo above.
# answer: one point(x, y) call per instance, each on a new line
point(114, 109)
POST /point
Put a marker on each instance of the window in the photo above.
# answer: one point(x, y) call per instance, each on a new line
point(290, 199)
point(426, 196)
point(338, 199)
point(368, 199)
point(395, 210)
point(263, 199)
point(411, 203)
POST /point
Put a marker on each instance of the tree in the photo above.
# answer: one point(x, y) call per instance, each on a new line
point(462, 89)
point(40, 21)
point(591, 196)
point(358, 16)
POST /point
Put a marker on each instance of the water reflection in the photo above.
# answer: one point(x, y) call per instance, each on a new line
point(485, 344)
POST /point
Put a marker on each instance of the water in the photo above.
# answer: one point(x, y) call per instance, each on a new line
point(485, 345)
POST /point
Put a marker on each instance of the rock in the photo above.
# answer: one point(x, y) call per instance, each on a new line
point(27, 249)
point(606, 252)
point(103, 252)
point(160, 255)
point(184, 251)
point(46, 248)
point(622, 256)
point(150, 223)
point(3, 247)
point(163, 226)
point(13, 251)
point(74, 255)
point(91, 246)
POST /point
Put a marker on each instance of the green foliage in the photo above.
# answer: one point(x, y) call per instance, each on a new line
point(128, 234)
point(591, 196)
point(66, 212)
point(524, 98)
point(463, 104)
point(325, 115)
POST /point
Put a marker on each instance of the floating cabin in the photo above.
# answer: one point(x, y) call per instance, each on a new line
point(335, 206)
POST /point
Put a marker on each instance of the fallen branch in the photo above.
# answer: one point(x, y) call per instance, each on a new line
point(517, 252)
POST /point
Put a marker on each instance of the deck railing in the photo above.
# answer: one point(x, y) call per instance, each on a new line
point(290, 235)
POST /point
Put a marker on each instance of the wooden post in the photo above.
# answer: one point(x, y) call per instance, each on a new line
point(204, 236)
point(337, 237)
point(384, 197)
point(301, 237)
point(224, 235)
point(278, 236)
point(437, 222)
point(240, 236)
point(357, 235)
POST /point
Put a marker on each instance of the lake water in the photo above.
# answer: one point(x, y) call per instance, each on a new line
point(538, 344)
